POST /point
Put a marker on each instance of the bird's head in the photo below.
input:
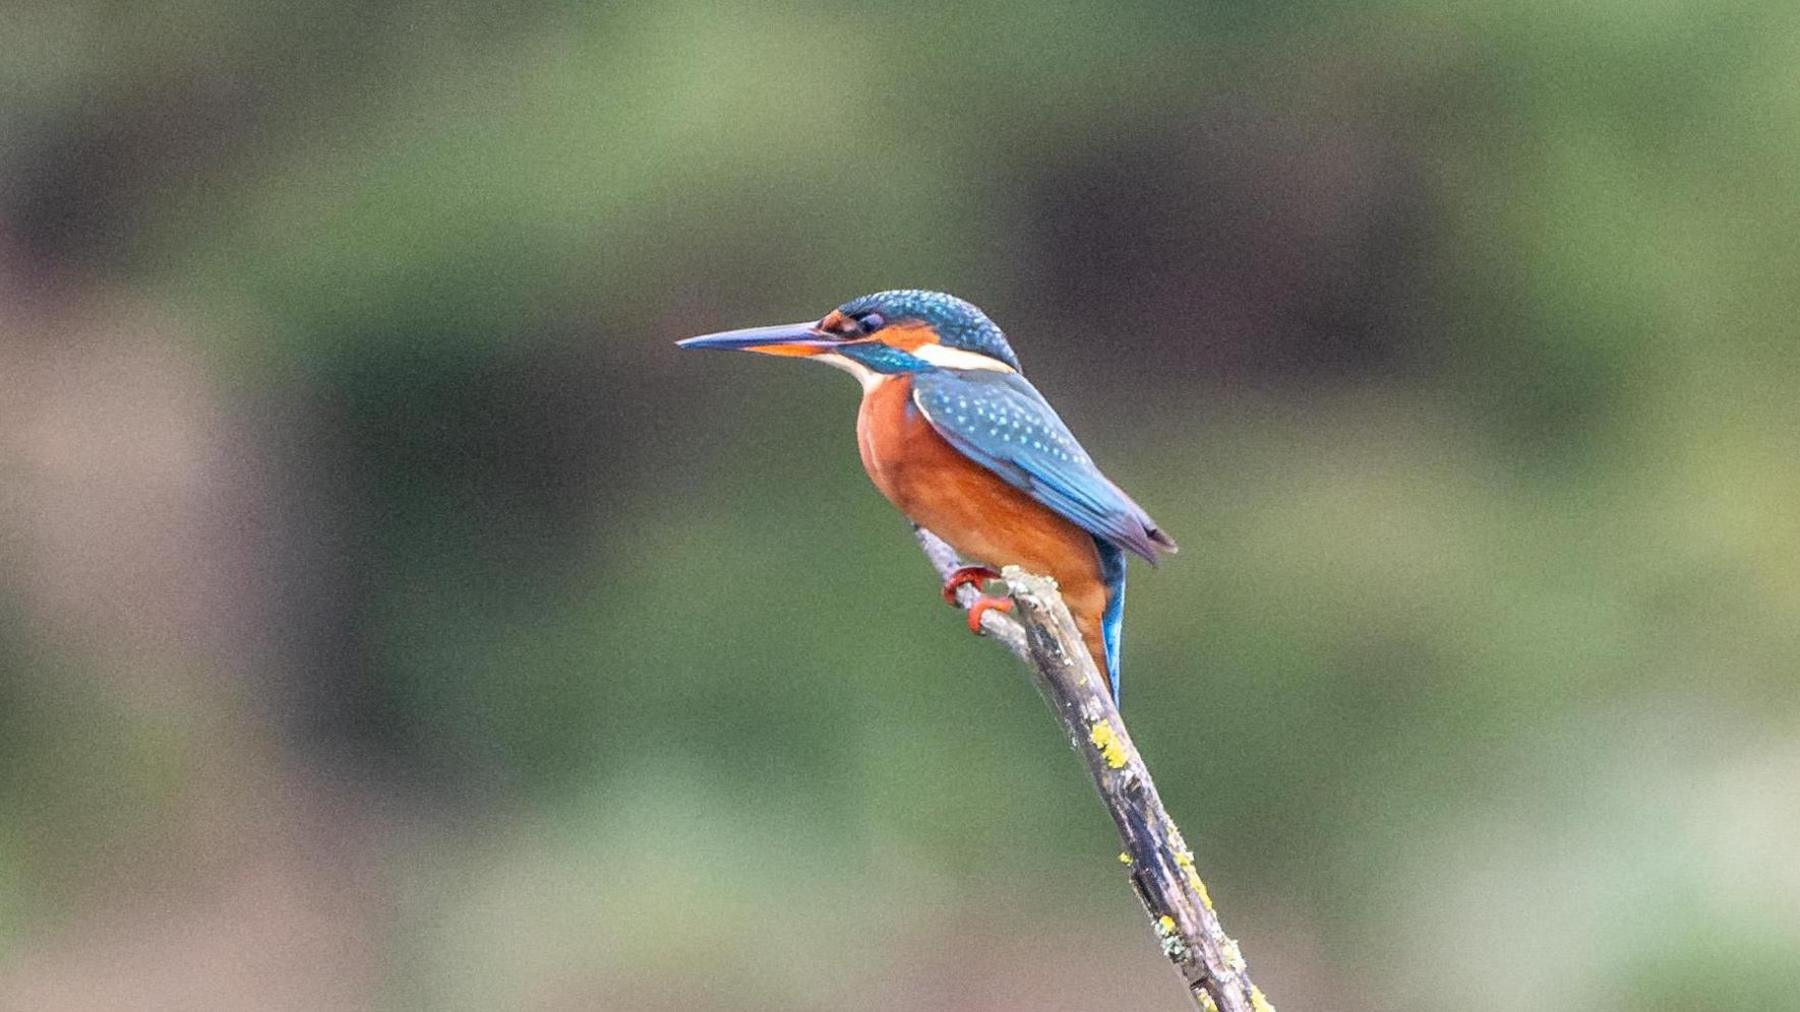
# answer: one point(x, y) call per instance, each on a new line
point(905, 330)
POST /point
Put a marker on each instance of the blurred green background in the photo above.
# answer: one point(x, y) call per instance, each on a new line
point(391, 618)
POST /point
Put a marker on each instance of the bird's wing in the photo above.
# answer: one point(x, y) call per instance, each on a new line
point(1001, 422)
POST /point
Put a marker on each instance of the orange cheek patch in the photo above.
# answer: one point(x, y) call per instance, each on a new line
point(908, 336)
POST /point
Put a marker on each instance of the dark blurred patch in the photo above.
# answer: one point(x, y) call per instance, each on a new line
point(512, 438)
point(84, 183)
point(1245, 246)
point(69, 201)
point(448, 481)
point(172, 116)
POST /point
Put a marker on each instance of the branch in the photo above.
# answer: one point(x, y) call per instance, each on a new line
point(1043, 635)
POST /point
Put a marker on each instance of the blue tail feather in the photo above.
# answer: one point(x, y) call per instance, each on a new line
point(1112, 622)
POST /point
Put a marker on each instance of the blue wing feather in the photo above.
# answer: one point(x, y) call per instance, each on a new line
point(1001, 422)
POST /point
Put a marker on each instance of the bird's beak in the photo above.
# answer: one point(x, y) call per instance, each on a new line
point(782, 339)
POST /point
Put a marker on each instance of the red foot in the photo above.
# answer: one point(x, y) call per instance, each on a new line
point(967, 576)
point(983, 606)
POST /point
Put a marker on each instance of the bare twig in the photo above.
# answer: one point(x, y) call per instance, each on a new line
point(1044, 636)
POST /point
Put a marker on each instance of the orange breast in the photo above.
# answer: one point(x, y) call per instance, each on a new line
point(979, 514)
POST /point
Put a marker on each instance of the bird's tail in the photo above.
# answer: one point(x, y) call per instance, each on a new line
point(1112, 621)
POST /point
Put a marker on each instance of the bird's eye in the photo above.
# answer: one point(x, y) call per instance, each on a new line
point(871, 322)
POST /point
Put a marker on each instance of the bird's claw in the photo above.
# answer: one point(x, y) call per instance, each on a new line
point(985, 605)
point(967, 576)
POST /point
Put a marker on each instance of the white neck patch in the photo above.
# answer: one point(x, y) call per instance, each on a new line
point(936, 354)
point(946, 357)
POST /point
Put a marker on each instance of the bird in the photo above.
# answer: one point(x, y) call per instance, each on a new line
point(956, 437)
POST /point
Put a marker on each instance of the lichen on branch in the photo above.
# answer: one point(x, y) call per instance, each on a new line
point(1042, 634)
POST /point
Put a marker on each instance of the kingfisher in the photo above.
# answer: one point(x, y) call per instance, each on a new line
point(953, 434)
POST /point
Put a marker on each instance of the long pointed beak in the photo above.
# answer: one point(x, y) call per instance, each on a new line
point(782, 339)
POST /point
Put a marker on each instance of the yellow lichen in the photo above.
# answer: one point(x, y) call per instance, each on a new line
point(1258, 1002)
point(1165, 924)
point(1111, 749)
point(1124, 858)
point(1186, 860)
point(1200, 887)
point(1207, 1004)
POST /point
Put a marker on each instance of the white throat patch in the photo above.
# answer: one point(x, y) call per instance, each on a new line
point(869, 378)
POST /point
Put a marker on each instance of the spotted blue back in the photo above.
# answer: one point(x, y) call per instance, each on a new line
point(1000, 421)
